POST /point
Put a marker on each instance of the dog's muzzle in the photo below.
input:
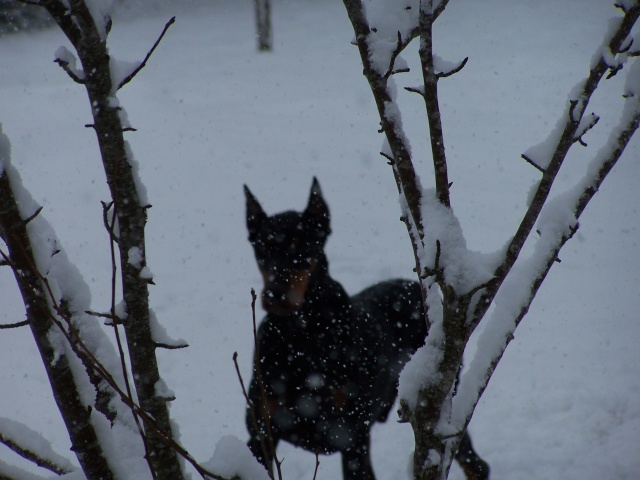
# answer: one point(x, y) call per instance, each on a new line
point(284, 290)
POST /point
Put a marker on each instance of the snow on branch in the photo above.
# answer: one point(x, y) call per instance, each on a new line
point(160, 336)
point(123, 72)
point(391, 26)
point(31, 250)
point(558, 222)
point(67, 61)
point(459, 286)
point(445, 68)
point(550, 155)
point(11, 472)
point(30, 445)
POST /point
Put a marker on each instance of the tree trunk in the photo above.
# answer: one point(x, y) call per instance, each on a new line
point(263, 24)
point(130, 212)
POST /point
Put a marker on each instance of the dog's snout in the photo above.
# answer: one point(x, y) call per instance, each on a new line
point(284, 290)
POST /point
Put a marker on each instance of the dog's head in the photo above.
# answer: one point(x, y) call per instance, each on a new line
point(289, 248)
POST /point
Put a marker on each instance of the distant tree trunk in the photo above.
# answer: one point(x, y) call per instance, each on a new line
point(263, 24)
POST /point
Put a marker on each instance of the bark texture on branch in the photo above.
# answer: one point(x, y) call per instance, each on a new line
point(88, 37)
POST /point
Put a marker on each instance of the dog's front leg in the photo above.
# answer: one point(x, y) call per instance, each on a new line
point(356, 461)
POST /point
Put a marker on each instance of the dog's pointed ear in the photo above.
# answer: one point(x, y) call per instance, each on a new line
point(317, 211)
point(255, 213)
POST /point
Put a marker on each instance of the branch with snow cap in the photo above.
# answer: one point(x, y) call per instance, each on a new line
point(59, 334)
point(558, 223)
point(30, 445)
point(458, 285)
point(87, 23)
point(27, 259)
point(550, 155)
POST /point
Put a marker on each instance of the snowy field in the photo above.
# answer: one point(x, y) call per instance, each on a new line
point(212, 114)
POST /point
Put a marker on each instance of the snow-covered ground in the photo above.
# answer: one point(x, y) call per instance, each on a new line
point(212, 114)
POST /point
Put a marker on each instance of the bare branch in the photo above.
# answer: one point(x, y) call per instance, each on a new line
point(418, 90)
point(33, 215)
point(532, 163)
point(263, 395)
point(252, 412)
point(113, 318)
point(109, 224)
point(315, 471)
point(167, 346)
point(65, 66)
point(626, 48)
point(23, 323)
point(454, 70)
point(430, 95)
point(130, 77)
point(621, 7)
point(390, 159)
point(461, 312)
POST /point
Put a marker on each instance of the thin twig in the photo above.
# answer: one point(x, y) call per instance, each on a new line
point(315, 472)
point(432, 105)
point(108, 316)
point(65, 66)
point(167, 346)
point(32, 216)
point(23, 323)
point(418, 90)
point(129, 77)
point(266, 415)
point(89, 359)
point(528, 159)
point(252, 413)
point(123, 363)
point(454, 70)
point(390, 159)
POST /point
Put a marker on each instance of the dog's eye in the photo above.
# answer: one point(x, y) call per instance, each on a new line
point(273, 239)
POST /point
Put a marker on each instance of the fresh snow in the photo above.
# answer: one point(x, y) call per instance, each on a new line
point(232, 458)
point(16, 432)
point(213, 114)
point(68, 58)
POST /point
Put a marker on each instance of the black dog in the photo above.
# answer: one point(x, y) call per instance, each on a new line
point(326, 365)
